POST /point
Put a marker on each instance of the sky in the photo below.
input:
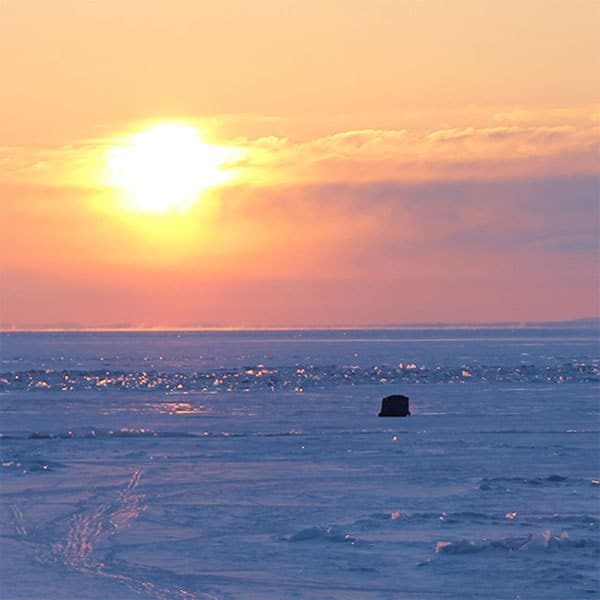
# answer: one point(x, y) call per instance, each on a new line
point(293, 164)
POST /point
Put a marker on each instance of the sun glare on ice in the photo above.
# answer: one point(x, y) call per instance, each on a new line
point(166, 167)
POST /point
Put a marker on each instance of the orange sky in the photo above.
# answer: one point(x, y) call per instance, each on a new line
point(389, 162)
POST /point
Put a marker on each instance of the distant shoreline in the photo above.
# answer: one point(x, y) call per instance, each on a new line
point(584, 323)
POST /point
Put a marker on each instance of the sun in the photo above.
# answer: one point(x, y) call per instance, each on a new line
point(166, 167)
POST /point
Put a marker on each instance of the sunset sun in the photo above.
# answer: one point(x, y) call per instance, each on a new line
point(166, 167)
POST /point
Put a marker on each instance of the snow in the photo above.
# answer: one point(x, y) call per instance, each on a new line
point(138, 488)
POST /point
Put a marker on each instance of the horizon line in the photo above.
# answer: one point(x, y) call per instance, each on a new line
point(586, 322)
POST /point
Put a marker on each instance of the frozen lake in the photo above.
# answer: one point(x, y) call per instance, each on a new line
point(253, 465)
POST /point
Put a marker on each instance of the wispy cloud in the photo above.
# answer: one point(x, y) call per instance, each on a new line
point(459, 153)
point(514, 143)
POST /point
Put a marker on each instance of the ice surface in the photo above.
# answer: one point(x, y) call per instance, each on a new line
point(280, 481)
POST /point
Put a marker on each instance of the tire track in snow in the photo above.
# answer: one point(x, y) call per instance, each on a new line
point(19, 521)
point(87, 530)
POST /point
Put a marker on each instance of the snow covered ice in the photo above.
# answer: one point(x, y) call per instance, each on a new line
point(253, 465)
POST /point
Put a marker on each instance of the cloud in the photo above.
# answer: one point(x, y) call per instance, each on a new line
point(302, 253)
point(482, 153)
point(450, 134)
point(518, 142)
point(535, 134)
point(362, 142)
point(531, 216)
